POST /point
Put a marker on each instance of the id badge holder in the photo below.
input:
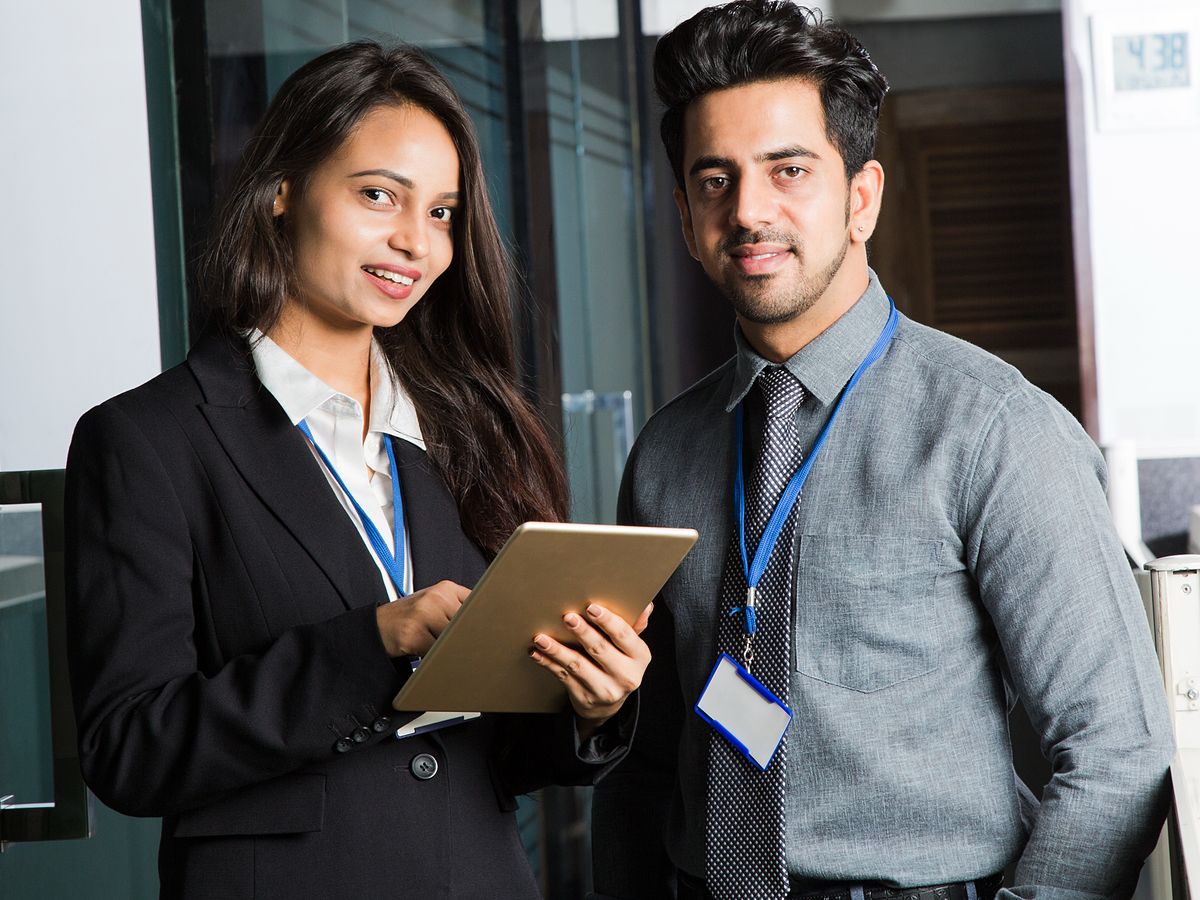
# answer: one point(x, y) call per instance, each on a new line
point(739, 706)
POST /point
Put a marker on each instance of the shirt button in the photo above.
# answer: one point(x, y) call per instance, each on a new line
point(380, 725)
point(423, 766)
point(343, 744)
point(360, 734)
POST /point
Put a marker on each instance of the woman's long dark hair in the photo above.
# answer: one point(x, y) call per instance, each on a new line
point(453, 352)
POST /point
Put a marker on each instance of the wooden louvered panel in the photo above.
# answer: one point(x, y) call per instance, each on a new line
point(975, 236)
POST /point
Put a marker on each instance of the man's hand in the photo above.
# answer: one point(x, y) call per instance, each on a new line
point(606, 671)
point(410, 625)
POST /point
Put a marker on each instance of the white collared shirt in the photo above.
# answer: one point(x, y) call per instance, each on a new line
point(336, 423)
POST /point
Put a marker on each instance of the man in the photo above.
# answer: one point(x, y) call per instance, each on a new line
point(949, 551)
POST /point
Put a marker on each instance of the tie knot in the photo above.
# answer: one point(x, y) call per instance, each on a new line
point(781, 391)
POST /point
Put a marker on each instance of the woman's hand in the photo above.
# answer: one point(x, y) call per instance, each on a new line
point(606, 671)
point(410, 625)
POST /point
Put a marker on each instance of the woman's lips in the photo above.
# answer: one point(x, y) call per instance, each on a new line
point(393, 280)
point(398, 287)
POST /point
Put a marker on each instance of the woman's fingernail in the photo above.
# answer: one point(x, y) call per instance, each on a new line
point(542, 641)
point(594, 611)
point(537, 657)
point(572, 620)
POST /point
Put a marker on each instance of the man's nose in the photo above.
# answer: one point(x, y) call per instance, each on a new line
point(754, 205)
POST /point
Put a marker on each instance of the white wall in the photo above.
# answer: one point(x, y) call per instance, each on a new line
point(78, 301)
point(1135, 198)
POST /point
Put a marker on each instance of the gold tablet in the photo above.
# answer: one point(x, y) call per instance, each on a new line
point(481, 663)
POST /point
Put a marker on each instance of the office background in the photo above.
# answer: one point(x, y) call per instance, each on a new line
point(124, 122)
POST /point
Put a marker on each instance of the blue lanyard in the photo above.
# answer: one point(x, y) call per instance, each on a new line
point(766, 546)
point(392, 562)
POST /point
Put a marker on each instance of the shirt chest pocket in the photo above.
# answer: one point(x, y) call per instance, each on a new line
point(864, 612)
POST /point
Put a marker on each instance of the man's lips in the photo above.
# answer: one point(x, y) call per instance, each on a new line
point(760, 259)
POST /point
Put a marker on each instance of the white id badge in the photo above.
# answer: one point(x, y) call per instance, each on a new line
point(738, 705)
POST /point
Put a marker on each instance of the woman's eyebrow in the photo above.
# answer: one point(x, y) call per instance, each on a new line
point(403, 181)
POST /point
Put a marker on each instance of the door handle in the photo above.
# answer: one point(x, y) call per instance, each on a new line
point(620, 404)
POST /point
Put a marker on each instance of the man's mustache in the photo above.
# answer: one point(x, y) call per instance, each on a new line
point(740, 236)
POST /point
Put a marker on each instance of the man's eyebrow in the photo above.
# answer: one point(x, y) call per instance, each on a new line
point(710, 162)
point(724, 162)
point(786, 153)
point(403, 181)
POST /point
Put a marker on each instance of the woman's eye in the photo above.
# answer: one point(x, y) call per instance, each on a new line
point(442, 213)
point(377, 195)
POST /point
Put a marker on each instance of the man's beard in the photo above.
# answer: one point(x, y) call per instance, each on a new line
point(752, 297)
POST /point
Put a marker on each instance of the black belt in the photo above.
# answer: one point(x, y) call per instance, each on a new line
point(691, 888)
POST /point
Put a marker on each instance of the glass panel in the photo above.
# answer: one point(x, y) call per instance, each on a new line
point(26, 748)
point(601, 281)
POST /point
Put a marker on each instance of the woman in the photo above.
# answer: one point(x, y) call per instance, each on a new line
point(346, 434)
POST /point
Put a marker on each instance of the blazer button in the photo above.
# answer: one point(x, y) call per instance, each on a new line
point(380, 725)
point(423, 766)
point(343, 744)
point(360, 734)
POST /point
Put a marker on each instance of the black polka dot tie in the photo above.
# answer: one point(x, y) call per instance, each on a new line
point(745, 814)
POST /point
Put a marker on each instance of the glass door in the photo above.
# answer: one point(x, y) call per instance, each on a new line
point(591, 96)
point(45, 810)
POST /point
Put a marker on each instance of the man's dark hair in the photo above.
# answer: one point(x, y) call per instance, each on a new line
point(769, 40)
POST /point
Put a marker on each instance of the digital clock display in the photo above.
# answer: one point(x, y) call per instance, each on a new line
point(1147, 62)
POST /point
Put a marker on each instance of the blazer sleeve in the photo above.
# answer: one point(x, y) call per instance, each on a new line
point(537, 750)
point(158, 736)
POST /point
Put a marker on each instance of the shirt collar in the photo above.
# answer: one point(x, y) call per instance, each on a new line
point(825, 363)
point(300, 392)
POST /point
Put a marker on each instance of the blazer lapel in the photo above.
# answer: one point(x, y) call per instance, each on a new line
point(440, 549)
point(275, 461)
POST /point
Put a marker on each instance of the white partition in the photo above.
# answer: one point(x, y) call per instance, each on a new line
point(1133, 101)
point(78, 299)
point(1173, 588)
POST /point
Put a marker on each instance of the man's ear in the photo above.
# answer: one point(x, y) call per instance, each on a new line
point(279, 206)
point(685, 219)
point(866, 195)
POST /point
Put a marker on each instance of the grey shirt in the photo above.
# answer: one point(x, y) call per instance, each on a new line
point(953, 545)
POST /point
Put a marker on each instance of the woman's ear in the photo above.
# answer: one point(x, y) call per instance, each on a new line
point(279, 205)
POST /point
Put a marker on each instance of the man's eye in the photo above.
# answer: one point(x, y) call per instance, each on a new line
point(791, 171)
point(442, 213)
point(716, 183)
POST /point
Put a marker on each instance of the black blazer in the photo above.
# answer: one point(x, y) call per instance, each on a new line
point(229, 676)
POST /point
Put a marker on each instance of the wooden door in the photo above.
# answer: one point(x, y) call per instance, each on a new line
point(975, 234)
